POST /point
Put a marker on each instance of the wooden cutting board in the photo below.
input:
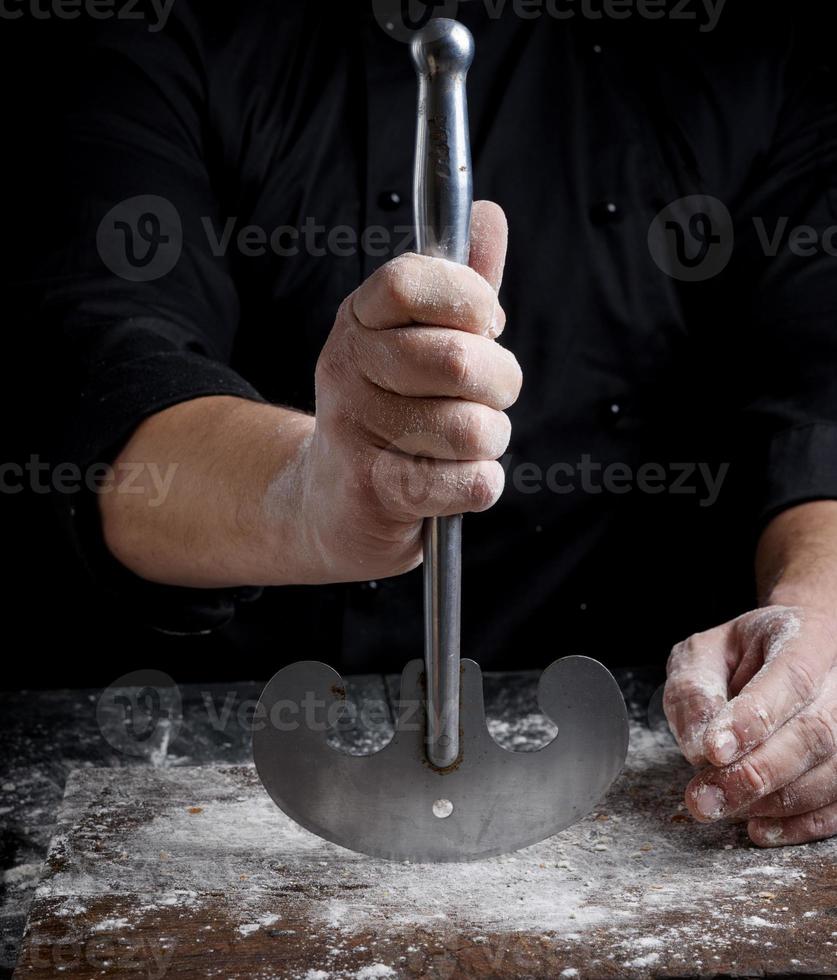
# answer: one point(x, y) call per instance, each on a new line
point(193, 873)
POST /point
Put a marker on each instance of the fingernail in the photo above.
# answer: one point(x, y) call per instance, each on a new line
point(725, 747)
point(710, 801)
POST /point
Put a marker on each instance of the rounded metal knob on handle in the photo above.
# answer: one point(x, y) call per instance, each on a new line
point(443, 46)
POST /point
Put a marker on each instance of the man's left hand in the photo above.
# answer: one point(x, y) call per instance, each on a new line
point(754, 702)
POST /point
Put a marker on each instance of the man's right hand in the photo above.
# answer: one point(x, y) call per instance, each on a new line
point(411, 394)
point(412, 390)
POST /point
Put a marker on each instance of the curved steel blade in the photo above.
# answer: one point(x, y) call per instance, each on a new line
point(383, 804)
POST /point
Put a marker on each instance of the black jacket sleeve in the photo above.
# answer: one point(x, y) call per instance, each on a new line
point(785, 273)
point(135, 308)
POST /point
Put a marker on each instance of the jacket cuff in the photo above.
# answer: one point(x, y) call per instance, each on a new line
point(801, 467)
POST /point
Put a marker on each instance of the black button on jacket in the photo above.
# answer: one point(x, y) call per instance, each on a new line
point(224, 183)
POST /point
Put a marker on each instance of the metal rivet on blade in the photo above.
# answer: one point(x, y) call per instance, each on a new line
point(442, 809)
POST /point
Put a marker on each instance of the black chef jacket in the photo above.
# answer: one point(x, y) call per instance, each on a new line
point(297, 119)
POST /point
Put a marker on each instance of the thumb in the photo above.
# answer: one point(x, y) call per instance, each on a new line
point(489, 240)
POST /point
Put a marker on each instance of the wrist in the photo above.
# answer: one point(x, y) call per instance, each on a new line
point(802, 594)
point(796, 563)
point(211, 530)
point(276, 525)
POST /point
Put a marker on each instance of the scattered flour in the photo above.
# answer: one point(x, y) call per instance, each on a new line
point(757, 920)
point(643, 961)
point(248, 928)
point(651, 883)
point(111, 925)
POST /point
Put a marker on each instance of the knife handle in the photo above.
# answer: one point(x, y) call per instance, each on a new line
point(443, 195)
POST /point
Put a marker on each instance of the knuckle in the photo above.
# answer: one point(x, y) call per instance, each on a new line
point(681, 692)
point(787, 797)
point(686, 654)
point(485, 488)
point(485, 433)
point(818, 825)
point(502, 435)
point(479, 301)
point(468, 430)
point(516, 381)
point(753, 778)
point(753, 721)
point(819, 735)
point(455, 360)
point(688, 714)
point(802, 679)
point(399, 280)
point(673, 710)
point(678, 653)
point(685, 696)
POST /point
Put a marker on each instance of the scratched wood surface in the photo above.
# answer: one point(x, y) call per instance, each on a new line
point(193, 873)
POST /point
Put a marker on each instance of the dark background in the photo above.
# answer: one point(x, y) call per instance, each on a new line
point(56, 631)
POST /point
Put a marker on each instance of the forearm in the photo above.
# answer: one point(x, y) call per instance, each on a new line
point(230, 515)
point(796, 562)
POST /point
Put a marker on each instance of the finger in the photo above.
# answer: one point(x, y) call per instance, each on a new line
point(696, 689)
point(427, 362)
point(489, 242)
point(806, 741)
point(791, 678)
point(816, 789)
point(410, 488)
point(437, 428)
point(817, 825)
point(418, 289)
